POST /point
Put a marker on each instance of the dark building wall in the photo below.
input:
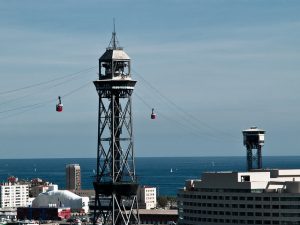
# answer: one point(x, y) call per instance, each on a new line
point(157, 219)
point(40, 213)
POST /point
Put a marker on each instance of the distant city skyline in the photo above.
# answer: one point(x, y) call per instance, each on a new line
point(209, 68)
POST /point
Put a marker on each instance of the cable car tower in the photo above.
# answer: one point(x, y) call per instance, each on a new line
point(254, 138)
point(116, 183)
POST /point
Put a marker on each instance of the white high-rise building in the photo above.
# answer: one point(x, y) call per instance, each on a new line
point(147, 197)
point(73, 177)
point(13, 195)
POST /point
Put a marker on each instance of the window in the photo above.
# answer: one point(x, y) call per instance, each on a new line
point(245, 178)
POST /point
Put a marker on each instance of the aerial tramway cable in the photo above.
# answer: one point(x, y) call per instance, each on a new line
point(44, 86)
point(46, 82)
point(188, 117)
point(44, 89)
point(40, 104)
point(187, 127)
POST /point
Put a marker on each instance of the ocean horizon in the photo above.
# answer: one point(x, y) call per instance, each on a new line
point(168, 174)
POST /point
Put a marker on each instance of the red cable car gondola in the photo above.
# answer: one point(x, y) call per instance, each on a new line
point(153, 115)
point(59, 106)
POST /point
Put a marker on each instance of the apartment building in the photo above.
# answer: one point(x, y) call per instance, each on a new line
point(73, 177)
point(13, 195)
point(147, 197)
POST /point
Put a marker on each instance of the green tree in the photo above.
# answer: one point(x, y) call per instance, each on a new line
point(162, 201)
point(172, 201)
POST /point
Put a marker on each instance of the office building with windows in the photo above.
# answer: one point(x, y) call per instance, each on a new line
point(147, 197)
point(264, 196)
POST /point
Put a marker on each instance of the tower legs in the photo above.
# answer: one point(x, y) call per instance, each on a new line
point(116, 184)
point(252, 158)
point(249, 159)
point(259, 158)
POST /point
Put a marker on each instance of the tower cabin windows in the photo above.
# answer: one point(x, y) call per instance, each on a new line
point(113, 69)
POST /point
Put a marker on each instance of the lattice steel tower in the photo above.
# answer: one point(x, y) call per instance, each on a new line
point(254, 138)
point(116, 184)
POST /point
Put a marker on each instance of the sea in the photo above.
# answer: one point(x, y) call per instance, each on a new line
point(167, 174)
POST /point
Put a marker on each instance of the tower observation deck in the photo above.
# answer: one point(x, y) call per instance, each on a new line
point(116, 184)
point(254, 138)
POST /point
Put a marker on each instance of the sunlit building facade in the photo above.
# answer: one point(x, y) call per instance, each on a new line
point(73, 177)
point(256, 197)
point(13, 195)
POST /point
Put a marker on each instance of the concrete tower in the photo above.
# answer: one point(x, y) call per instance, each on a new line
point(254, 138)
point(115, 179)
point(73, 177)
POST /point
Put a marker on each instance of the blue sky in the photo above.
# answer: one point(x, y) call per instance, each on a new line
point(210, 68)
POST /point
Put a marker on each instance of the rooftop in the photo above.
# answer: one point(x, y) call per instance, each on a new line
point(265, 180)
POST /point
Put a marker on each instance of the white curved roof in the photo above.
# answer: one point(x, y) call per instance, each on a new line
point(62, 193)
point(253, 129)
point(61, 198)
point(110, 54)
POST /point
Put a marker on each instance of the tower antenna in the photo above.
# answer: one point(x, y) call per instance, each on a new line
point(114, 20)
point(114, 43)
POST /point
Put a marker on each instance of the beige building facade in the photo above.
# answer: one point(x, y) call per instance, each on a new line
point(73, 177)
